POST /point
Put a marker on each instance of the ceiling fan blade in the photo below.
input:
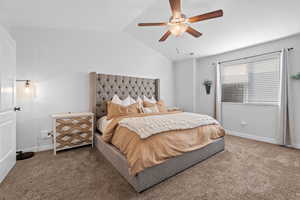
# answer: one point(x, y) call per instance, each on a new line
point(153, 24)
point(211, 15)
point(165, 36)
point(193, 32)
point(176, 8)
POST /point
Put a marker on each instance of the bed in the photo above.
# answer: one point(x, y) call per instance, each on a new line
point(102, 88)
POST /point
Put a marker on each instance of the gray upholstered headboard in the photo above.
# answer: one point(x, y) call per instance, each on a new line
point(103, 87)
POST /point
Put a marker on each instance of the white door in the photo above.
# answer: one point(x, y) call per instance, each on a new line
point(7, 103)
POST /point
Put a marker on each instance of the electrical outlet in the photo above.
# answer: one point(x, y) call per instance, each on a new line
point(45, 134)
point(243, 123)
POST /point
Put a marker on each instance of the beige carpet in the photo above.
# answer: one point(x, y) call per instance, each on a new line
point(246, 170)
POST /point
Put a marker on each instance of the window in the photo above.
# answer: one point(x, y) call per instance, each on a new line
point(252, 81)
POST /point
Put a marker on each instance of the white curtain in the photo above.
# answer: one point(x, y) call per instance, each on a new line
point(285, 115)
point(218, 94)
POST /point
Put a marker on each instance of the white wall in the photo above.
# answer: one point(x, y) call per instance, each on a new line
point(251, 121)
point(58, 61)
point(261, 122)
point(185, 95)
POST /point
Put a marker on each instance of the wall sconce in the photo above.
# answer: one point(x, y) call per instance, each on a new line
point(27, 85)
point(207, 84)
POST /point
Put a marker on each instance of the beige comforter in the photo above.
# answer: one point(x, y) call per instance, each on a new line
point(144, 153)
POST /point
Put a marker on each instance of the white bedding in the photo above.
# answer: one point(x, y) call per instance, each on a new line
point(150, 125)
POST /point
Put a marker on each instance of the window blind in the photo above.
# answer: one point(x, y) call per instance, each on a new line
point(252, 80)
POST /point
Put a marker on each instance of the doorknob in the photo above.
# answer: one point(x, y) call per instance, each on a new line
point(18, 108)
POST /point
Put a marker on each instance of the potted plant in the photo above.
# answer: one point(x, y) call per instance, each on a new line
point(297, 76)
point(207, 84)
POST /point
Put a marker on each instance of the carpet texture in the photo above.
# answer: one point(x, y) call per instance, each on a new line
point(246, 170)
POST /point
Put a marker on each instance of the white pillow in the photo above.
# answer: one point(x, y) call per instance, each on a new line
point(126, 102)
point(116, 100)
point(132, 101)
point(152, 100)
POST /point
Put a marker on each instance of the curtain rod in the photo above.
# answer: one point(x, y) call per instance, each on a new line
point(289, 49)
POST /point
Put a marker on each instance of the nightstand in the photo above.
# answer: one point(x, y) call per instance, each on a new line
point(72, 130)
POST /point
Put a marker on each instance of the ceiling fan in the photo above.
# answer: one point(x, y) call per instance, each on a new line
point(179, 23)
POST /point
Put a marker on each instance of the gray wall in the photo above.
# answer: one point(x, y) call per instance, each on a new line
point(260, 124)
point(185, 93)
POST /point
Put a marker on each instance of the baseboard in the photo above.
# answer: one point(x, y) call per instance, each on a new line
point(251, 137)
point(295, 146)
point(44, 147)
point(258, 138)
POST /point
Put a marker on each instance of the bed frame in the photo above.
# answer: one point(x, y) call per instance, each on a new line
point(102, 89)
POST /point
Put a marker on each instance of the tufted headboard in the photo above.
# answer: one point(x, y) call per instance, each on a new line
point(103, 87)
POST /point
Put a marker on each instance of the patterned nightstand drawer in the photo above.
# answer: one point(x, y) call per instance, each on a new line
point(72, 130)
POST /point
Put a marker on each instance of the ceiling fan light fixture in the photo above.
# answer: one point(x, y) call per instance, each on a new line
point(179, 23)
point(177, 29)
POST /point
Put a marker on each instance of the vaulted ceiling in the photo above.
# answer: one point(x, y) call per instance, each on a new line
point(245, 22)
point(103, 15)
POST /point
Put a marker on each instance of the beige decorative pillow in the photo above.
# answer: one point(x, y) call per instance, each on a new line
point(152, 109)
point(160, 104)
point(140, 101)
point(116, 110)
